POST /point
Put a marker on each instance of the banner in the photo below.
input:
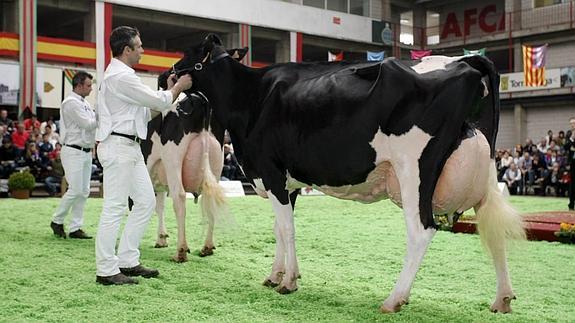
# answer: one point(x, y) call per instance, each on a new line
point(419, 54)
point(334, 57)
point(515, 82)
point(28, 56)
point(375, 56)
point(468, 52)
point(534, 65)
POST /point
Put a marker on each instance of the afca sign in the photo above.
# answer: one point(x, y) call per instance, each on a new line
point(484, 19)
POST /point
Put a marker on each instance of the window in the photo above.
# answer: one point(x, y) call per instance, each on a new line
point(359, 7)
point(406, 28)
point(314, 3)
point(337, 5)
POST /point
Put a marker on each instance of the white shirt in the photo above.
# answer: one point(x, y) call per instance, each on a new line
point(124, 102)
point(77, 122)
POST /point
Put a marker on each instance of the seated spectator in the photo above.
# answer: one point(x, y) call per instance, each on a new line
point(528, 145)
point(33, 161)
point(549, 137)
point(31, 123)
point(5, 121)
point(7, 158)
point(506, 160)
point(553, 146)
point(542, 146)
point(50, 122)
point(231, 166)
point(19, 139)
point(538, 174)
point(560, 140)
point(53, 137)
point(518, 150)
point(524, 165)
point(57, 149)
point(553, 180)
point(3, 133)
point(55, 173)
point(512, 178)
point(45, 148)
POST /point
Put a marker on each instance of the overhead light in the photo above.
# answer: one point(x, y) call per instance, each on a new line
point(434, 15)
point(404, 21)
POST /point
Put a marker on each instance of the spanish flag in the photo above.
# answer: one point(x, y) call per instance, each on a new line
point(534, 65)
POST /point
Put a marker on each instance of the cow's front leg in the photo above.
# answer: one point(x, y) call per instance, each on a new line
point(162, 240)
point(285, 235)
point(180, 210)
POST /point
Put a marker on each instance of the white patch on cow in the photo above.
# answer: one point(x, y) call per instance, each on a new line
point(260, 188)
point(485, 88)
point(293, 184)
point(433, 63)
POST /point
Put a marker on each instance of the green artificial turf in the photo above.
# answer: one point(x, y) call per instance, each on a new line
point(350, 256)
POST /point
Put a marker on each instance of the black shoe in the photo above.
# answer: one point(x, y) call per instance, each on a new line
point(117, 279)
point(79, 234)
point(58, 229)
point(140, 270)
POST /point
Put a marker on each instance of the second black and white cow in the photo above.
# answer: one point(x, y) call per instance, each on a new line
point(422, 135)
point(183, 153)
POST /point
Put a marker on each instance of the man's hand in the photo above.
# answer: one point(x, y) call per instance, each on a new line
point(172, 81)
point(184, 83)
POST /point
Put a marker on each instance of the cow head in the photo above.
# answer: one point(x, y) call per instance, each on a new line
point(200, 57)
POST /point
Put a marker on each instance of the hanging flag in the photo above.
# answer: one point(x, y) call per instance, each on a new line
point(468, 52)
point(69, 74)
point(334, 57)
point(375, 56)
point(534, 65)
point(419, 54)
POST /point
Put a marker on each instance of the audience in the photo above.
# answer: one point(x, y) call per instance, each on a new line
point(529, 169)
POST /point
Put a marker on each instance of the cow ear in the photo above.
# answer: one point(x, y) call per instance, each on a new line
point(214, 39)
point(238, 53)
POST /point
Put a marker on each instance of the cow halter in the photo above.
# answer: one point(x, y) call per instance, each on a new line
point(199, 66)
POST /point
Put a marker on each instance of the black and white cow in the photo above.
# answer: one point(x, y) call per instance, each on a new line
point(183, 153)
point(421, 135)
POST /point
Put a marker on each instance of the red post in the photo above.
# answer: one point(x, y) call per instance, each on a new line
point(510, 62)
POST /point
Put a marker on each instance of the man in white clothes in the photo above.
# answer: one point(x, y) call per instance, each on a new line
point(123, 109)
point(77, 130)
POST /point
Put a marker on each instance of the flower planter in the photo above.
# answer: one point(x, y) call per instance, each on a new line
point(20, 194)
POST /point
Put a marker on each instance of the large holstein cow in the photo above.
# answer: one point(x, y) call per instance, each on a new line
point(421, 135)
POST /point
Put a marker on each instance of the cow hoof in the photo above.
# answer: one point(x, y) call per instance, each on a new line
point(269, 283)
point(392, 307)
point(502, 305)
point(207, 251)
point(284, 290)
point(180, 259)
point(159, 245)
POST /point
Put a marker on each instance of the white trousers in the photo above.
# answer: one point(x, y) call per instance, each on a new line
point(78, 169)
point(125, 174)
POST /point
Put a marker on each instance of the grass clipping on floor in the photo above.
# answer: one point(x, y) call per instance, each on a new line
point(350, 256)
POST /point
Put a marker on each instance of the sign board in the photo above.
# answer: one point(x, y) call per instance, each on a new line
point(381, 32)
point(514, 82)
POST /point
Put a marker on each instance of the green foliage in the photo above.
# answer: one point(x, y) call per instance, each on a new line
point(21, 181)
point(350, 255)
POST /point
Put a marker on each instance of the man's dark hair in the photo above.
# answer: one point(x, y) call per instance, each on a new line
point(121, 37)
point(80, 77)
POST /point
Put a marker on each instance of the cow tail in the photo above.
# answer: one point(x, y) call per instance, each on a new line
point(212, 199)
point(498, 220)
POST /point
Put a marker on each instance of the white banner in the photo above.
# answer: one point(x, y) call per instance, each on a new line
point(514, 82)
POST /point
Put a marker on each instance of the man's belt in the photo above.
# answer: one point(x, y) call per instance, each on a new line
point(134, 138)
point(86, 150)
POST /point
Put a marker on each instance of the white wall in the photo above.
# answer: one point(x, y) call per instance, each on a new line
point(265, 13)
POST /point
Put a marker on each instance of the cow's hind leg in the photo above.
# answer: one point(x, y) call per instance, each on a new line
point(498, 221)
point(162, 240)
point(285, 270)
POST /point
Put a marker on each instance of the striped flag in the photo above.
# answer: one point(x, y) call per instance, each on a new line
point(534, 65)
point(69, 74)
point(334, 57)
point(28, 56)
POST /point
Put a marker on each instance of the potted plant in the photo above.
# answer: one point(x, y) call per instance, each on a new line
point(566, 233)
point(20, 184)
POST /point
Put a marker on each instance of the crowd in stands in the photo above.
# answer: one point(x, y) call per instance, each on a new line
point(34, 146)
point(540, 169)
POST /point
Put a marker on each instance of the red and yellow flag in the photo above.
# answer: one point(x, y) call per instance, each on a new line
point(534, 65)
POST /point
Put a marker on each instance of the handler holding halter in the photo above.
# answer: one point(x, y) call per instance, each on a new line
point(124, 104)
